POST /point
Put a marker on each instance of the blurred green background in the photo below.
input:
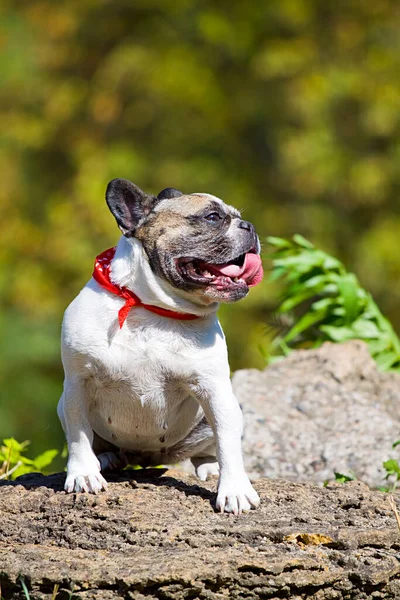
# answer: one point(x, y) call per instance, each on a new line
point(287, 109)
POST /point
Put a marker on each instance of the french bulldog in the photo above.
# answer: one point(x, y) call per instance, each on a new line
point(146, 367)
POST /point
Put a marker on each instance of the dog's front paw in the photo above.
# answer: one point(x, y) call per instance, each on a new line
point(81, 479)
point(236, 495)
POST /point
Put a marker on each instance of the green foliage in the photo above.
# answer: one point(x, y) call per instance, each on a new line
point(392, 469)
point(334, 305)
point(27, 595)
point(24, 588)
point(14, 463)
point(340, 478)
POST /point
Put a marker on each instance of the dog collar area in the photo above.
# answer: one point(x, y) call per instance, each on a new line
point(101, 274)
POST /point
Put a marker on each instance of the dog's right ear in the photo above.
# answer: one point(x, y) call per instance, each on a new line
point(129, 204)
point(169, 193)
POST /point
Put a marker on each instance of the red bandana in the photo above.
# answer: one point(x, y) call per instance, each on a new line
point(101, 274)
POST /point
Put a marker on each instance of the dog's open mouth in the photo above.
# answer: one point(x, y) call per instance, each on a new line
point(245, 270)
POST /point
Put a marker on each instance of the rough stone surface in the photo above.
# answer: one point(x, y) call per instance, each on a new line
point(320, 411)
point(155, 534)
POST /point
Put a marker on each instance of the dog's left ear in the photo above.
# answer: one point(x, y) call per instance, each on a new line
point(129, 204)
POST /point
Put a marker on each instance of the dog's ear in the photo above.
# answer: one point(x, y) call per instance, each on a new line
point(169, 193)
point(129, 204)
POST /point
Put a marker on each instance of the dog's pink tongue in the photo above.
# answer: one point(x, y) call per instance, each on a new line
point(251, 271)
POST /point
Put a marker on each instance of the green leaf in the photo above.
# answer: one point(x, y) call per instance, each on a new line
point(395, 444)
point(295, 300)
point(331, 289)
point(14, 445)
point(301, 262)
point(276, 273)
point(284, 347)
point(11, 450)
point(386, 359)
point(332, 264)
point(25, 460)
point(337, 334)
point(275, 359)
point(391, 467)
point(304, 323)
point(302, 241)
point(44, 459)
point(316, 281)
point(323, 303)
point(377, 346)
point(278, 242)
point(12, 455)
point(365, 329)
point(340, 478)
point(22, 470)
point(348, 286)
point(25, 589)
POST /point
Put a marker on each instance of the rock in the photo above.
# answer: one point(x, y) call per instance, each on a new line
point(320, 411)
point(155, 534)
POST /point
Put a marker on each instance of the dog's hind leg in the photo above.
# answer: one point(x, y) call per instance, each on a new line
point(199, 446)
point(205, 465)
point(110, 461)
point(109, 456)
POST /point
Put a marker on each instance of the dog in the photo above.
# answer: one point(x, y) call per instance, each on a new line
point(147, 377)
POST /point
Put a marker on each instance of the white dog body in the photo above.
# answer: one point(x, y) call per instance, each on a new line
point(147, 385)
point(157, 386)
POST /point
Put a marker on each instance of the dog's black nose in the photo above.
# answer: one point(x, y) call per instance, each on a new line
point(246, 225)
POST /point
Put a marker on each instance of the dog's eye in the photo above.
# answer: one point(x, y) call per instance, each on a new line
point(214, 216)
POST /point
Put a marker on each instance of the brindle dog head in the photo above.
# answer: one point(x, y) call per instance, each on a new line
point(196, 242)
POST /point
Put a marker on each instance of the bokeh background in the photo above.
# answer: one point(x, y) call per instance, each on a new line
point(287, 109)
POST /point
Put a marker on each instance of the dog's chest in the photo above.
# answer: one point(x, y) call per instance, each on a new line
point(139, 395)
